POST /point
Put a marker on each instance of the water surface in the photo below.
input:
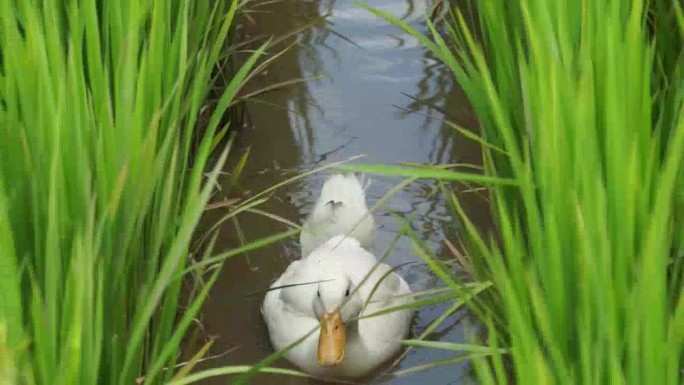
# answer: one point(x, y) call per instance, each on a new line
point(363, 101)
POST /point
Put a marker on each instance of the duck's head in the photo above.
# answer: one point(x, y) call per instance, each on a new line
point(335, 304)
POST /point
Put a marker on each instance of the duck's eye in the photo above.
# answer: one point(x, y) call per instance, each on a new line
point(346, 294)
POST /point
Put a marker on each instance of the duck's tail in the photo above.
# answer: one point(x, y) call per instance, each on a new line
point(340, 210)
point(348, 191)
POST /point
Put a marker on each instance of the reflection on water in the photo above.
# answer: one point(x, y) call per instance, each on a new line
point(374, 98)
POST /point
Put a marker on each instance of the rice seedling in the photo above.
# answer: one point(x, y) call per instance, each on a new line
point(102, 182)
point(581, 109)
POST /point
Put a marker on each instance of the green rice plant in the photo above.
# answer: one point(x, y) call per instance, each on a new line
point(581, 105)
point(102, 182)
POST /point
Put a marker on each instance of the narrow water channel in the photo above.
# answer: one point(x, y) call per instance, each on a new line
point(363, 102)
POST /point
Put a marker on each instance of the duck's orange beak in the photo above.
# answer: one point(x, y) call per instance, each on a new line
point(331, 341)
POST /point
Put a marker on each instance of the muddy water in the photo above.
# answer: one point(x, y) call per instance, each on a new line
point(362, 102)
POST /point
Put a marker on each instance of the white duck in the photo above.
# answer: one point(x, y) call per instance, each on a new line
point(344, 347)
point(340, 209)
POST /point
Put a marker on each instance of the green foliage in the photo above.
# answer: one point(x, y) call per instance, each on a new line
point(585, 101)
point(101, 182)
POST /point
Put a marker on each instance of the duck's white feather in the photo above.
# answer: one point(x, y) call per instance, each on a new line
point(371, 341)
point(340, 210)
